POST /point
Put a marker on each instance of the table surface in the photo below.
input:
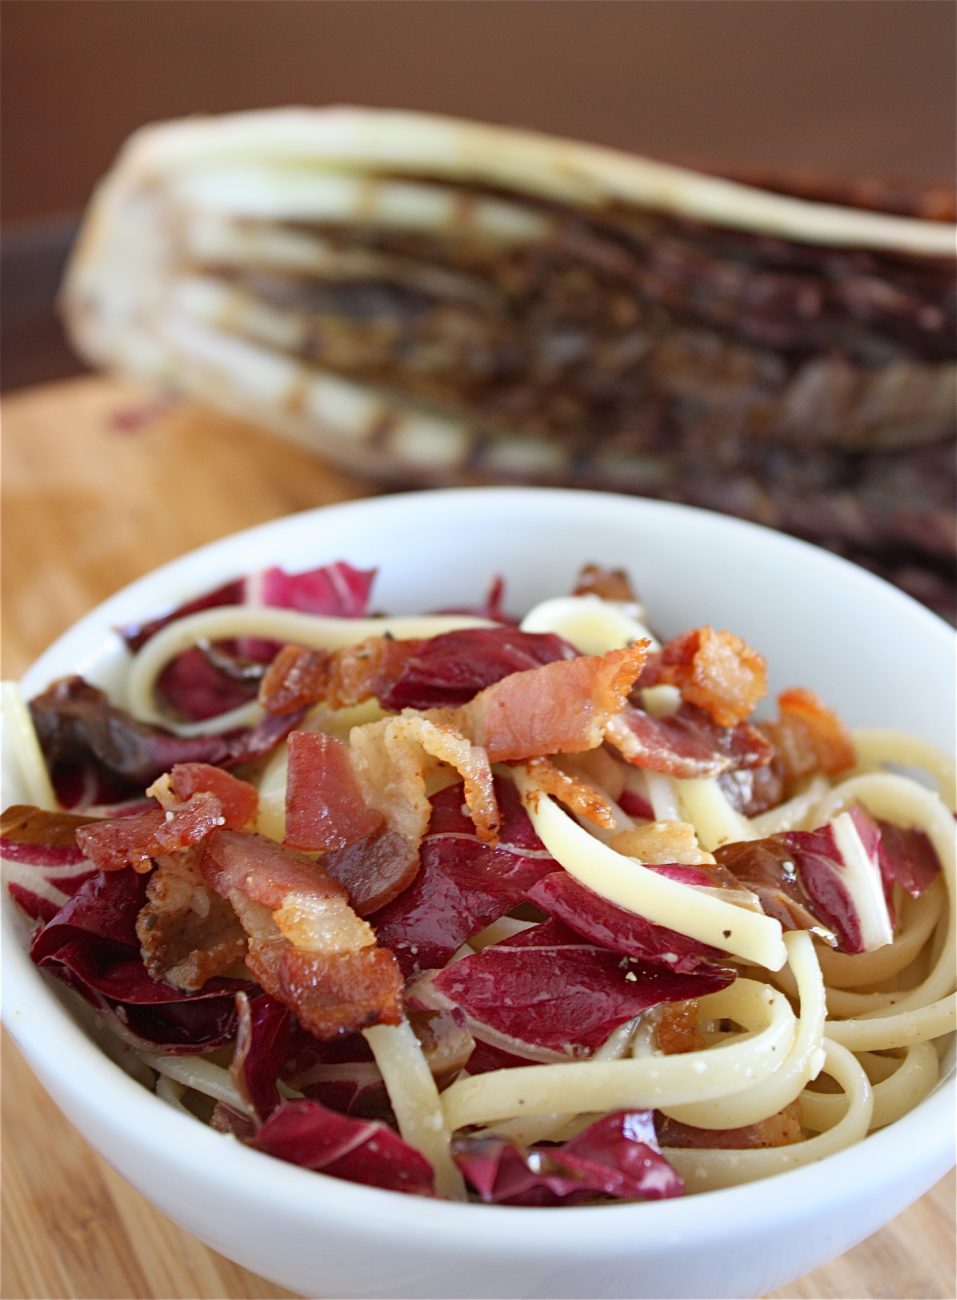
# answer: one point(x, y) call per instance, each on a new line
point(92, 472)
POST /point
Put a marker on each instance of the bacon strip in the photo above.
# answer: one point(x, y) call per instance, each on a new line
point(577, 795)
point(238, 800)
point(716, 671)
point(687, 744)
point(562, 707)
point(187, 933)
point(324, 804)
point(609, 584)
point(135, 841)
point(392, 758)
point(677, 1030)
point(662, 842)
point(307, 947)
point(299, 677)
point(808, 737)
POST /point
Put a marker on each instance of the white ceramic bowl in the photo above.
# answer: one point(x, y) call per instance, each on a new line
point(875, 654)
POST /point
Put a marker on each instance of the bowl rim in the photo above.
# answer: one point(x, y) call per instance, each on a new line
point(919, 1145)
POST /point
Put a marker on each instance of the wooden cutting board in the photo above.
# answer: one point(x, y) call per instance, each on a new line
point(99, 487)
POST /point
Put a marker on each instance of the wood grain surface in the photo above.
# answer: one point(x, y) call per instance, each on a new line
point(92, 501)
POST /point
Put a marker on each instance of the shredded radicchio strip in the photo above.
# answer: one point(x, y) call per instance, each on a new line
point(76, 724)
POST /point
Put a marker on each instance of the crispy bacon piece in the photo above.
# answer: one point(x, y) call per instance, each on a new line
point(445, 1041)
point(307, 947)
point(778, 1130)
point(677, 1029)
point(687, 744)
point(187, 933)
point(298, 676)
point(577, 795)
point(808, 737)
point(341, 993)
point(392, 758)
point(324, 804)
point(562, 707)
point(659, 842)
point(367, 670)
point(716, 671)
point(238, 800)
point(609, 584)
point(309, 908)
point(135, 841)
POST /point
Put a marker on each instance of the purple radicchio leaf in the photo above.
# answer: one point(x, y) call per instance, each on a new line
point(560, 896)
point(208, 680)
point(462, 885)
point(42, 865)
point(364, 1151)
point(617, 1156)
point(451, 669)
point(907, 858)
point(551, 990)
point(333, 589)
point(91, 945)
point(826, 880)
point(77, 725)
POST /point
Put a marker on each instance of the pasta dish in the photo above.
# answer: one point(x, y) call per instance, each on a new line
point(538, 912)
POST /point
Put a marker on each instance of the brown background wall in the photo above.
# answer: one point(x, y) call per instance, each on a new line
point(837, 85)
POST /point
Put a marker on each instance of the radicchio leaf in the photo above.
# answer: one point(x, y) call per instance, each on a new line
point(42, 865)
point(341, 1073)
point(361, 1151)
point(205, 681)
point(548, 988)
point(617, 1156)
point(335, 589)
point(91, 946)
point(828, 880)
point(76, 724)
point(463, 885)
point(560, 896)
point(451, 669)
point(490, 608)
point(907, 858)
point(264, 1040)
